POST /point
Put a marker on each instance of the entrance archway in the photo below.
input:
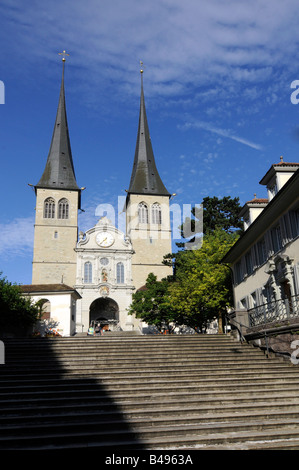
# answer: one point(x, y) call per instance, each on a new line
point(104, 311)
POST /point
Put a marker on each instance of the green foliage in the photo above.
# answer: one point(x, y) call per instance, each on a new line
point(221, 213)
point(200, 291)
point(151, 303)
point(15, 310)
point(216, 214)
point(202, 288)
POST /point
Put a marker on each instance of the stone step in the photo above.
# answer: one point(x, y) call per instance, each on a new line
point(102, 397)
point(139, 365)
point(112, 355)
point(161, 437)
point(114, 388)
point(148, 389)
point(121, 377)
point(156, 405)
point(272, 439)
point(197, 391)
point(137, 420)
point(117, 353)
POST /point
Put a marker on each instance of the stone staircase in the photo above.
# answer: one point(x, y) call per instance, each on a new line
point(199, 392)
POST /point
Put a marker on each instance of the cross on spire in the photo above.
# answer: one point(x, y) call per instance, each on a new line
point(64, 54)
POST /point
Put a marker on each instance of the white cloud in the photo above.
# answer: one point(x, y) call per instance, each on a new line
point(181, 43)
point(17, 237)
point(222, 132)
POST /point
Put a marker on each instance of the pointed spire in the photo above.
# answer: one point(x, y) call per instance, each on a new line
point(59, 171)
point(145, 178)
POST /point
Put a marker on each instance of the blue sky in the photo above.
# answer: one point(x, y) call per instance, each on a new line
point(217, 81)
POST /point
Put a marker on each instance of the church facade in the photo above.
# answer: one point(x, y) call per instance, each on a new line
point(104, 277)
point(104, 266)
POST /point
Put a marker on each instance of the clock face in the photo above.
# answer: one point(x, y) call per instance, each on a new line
point(104, 239)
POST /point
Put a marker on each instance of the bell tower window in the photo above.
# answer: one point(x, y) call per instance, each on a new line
point(142, 213)
point(156, 214)
point(63, 209)
point(49, 208)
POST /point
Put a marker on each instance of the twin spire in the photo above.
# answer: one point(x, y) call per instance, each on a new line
point(145, 178)
point(59, 172)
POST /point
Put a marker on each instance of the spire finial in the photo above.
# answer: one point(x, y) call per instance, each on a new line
point(64, 54)
point(141, 67)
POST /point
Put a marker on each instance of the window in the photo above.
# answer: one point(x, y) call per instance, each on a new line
point(253, 299)
point(276, 238)
point(120, 273)
point(87, 272)
point(261, 252)
point(238, 273)
point(142, 213)
point(156, 214)
point(294, 222)
point(63, 209)
point(243, 303)
point(49, 208)
point(272, 190)
point(249, 264)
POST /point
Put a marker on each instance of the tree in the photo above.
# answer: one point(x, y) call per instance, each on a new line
point(15, 310)
point(216, 213)
point(202, 289)
point(221, 213)
point(151, 303)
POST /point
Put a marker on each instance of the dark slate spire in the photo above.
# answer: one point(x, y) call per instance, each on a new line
point(145, 178)
point(59, 171)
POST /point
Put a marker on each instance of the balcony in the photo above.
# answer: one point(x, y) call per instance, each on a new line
point(279, 310)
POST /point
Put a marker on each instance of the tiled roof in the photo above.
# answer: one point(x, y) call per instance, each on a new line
point(30, 288)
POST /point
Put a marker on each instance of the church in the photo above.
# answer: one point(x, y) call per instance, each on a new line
point(97, 272)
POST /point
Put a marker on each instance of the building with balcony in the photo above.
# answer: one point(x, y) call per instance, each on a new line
point(265, 259)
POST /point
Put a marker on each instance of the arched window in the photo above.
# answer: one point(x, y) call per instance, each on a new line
point(120, 273)
point(156, 214)
point(49, 208)
point(87, 272)
point(63, 209)
point(142, 213)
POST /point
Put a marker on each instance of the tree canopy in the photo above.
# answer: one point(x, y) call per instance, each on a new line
point(199, 291)
point(216, 214)
point(202, 288)
point(15, 310)
point(221, 214)
point(151, 303)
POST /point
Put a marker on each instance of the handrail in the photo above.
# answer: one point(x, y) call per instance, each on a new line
point(232, 322)
point(242, 338)
point(296, 296)
point(279, 309)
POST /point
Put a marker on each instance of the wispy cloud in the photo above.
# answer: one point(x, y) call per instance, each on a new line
point(207, 41)
point(222, 132)
point(17, 237)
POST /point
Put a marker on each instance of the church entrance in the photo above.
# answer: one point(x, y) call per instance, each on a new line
point(104, 311)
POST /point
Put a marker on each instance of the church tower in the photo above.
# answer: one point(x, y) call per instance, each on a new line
point(58, 199)
point(147, 209)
